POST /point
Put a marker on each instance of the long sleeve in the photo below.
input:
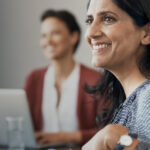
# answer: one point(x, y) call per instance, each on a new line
point(34, 89)
point(143, 119)
point(143, 146)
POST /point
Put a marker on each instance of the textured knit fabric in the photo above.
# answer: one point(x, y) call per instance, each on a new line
point(134, 114)
point(86, 108)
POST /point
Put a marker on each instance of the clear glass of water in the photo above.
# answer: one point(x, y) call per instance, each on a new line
point(15, 133)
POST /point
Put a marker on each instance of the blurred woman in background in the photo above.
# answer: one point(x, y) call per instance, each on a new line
point(62, 111)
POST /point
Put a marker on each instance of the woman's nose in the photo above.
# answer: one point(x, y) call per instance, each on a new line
point(93, 31)
point(50, 39)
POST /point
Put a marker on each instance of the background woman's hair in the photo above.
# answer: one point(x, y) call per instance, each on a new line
point(66, 17)
point(109, 87)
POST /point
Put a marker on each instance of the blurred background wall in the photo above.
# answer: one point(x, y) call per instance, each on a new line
point(20, 34)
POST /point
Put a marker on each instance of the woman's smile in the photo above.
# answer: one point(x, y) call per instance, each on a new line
point(98, 47)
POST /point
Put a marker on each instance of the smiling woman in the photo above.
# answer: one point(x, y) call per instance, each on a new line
point(118, 32)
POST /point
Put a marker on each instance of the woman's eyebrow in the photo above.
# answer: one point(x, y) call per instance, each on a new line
point(102, 13)
point(89, 16)
point(106, 12)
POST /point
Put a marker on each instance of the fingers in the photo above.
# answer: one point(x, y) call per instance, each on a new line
point(39, 135)
point(43, 140)
point(55, 138)
point(47, 138)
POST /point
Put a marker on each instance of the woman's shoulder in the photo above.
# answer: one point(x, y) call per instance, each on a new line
point(143, 113)
point(89, 74)
point(145, 90)
point(143, 96)
point(87, 70)
point(37, 73)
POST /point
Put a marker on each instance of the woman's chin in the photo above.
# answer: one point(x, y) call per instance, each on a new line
point(96, 63)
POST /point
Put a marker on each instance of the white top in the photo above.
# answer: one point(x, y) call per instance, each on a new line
point(63, 117)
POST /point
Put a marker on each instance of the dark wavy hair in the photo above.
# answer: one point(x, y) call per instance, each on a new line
point(66, 17)
point(109, 87)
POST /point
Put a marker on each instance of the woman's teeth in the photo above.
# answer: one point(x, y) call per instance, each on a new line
point(100, 46)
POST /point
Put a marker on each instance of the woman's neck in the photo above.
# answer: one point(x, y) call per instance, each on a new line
point(130, 79)
point(63, 68)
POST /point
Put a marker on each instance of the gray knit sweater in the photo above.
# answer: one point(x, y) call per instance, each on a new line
point(134, 114)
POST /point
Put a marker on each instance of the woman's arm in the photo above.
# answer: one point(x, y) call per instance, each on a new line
point(107, 139)
point(59, 137)
point(64, 137)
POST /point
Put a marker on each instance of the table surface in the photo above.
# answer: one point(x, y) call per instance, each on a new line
point(69, 146)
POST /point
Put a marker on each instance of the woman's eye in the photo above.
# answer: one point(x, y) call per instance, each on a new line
point(109, 20)
point(56, 32)
point(89, 21)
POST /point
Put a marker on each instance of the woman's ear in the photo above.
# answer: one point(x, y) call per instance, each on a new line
point(75, 37)
point(146, 39)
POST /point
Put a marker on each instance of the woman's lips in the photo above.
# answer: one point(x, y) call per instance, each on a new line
point(97, 48)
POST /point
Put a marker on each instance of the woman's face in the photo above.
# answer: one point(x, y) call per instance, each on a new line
point(56, 39)
point(113, 37)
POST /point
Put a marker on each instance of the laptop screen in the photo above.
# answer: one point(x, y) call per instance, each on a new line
point(13, 104)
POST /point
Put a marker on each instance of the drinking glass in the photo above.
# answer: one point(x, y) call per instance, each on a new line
point(15, 133)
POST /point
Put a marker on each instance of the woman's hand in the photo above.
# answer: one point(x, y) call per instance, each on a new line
point(107, 138)
point(57, 138)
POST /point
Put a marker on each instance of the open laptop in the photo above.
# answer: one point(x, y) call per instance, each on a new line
point(13, 103)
